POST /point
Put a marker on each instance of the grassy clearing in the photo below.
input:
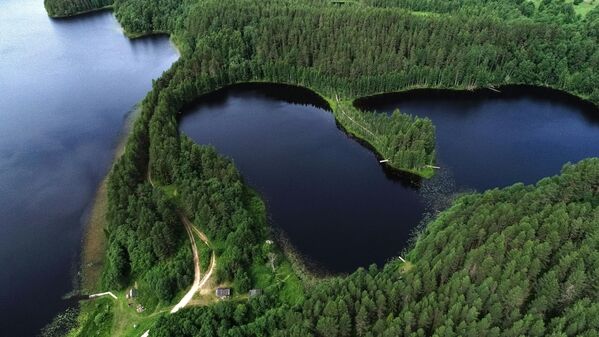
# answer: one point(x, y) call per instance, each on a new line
point(585, 7)
point(582, 8)
point(407, 266)
point(107, 317)
point(283, 281)
point(128, 322)
point(418, 13)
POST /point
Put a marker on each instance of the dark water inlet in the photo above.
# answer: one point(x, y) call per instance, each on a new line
point(488, 139)
point(65, 89)
point(330, 195)
point(326, 191)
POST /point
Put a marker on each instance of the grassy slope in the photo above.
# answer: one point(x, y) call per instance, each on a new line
point(582, 8)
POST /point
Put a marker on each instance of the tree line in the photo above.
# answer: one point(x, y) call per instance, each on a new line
point(518, 261)
point(506, 262)
point(59, 8)
point(407, 142)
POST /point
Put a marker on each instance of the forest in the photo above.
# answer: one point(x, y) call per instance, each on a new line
point(516, 261)
point(519, 261)
point(407, 142)
point(61, 8)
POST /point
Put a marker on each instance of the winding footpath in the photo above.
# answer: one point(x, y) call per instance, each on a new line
point(198, 280)
point(195, 286)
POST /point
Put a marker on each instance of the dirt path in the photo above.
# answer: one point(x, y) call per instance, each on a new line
point(103, 294)
point(351, 119)
point(196, 261)
point(198, 280)
point(212, 259)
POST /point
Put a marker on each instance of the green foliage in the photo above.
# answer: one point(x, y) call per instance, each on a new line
point(518, 261)
point(408, 142)
point(205, 256)
point(147, 245)
point(59, 8)
point(142, 16)
point(61, 324)
point(373, 50)
point(211, 189)
point(96, 319)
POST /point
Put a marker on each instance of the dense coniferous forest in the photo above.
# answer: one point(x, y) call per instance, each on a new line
point(60, 8)
point(517, 261)
point(406, 141)
point(520, 261)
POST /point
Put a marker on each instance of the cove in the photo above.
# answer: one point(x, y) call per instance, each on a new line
point(487, 139)
point(66, 87)
point(329, 194)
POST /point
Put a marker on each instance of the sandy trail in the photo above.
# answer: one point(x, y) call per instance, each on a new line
point(196, 261)
point(198, 280)
point(103, 294)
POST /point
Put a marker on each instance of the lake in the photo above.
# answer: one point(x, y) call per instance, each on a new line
point(66, 88)
point(337, 205)
point(488, 139)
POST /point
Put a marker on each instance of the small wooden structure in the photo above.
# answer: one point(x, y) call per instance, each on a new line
point(131, 293)
point(255, 292)
point(223, 293)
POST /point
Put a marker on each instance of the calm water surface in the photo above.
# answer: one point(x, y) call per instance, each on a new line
point(327, 192)
point(65, 89)
point(332, 198)
point(487, 139)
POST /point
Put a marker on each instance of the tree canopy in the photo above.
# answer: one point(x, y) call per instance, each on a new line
point(517, 261)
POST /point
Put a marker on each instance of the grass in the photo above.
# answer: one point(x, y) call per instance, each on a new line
point(283, 280)
point(107, 317)
point(128, 322)
point(582, 8)
point(407, 266)
point(585, 7)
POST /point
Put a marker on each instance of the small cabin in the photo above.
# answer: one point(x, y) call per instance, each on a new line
point(223, 292)
point(255, 292)
point(131, 293)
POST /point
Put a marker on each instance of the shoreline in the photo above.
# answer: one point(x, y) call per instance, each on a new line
point(331, 106)
point(94, 239)
point(93, 249)
point(80, 13)
point(490, 90)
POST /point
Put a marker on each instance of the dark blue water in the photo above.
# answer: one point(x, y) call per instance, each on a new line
point(65, 89)
point(330, 195)
point(327, 192)
point(487, 139)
